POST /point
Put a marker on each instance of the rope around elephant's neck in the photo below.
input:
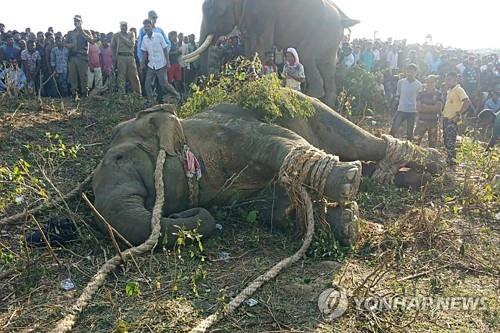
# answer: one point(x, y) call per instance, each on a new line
point(66, 324)
point(297, 166)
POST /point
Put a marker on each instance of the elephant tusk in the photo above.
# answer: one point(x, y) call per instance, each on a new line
point(192, 59)
point(203, 47)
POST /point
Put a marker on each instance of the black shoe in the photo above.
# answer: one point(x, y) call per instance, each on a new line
point(57, 232)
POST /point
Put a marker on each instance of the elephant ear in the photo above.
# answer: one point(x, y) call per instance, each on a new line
point(169, 131)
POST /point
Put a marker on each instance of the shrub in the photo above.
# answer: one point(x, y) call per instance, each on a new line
point(239, 84)
point(358, 88)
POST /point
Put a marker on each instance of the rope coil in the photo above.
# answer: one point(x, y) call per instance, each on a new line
point(298, 165)
point(397, 154)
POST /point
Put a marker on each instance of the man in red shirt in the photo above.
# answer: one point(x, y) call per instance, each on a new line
point(175, 71)
point(95, 69)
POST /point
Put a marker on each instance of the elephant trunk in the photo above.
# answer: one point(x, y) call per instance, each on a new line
point(123, 197)
point(127, 214)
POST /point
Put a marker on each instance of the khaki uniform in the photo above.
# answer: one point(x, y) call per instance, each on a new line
point(77, 44)
point(123, 50)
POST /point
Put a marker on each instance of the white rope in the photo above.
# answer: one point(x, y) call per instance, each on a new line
point(299, 164)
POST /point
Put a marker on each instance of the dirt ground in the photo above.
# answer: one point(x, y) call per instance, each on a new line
point(441, 241)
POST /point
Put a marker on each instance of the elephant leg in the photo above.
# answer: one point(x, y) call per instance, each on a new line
point(344, 223)
point(313, 76)
point(406, 177)
point(328, 73)
point(342, 220)
point(329, 131)
point(260, 44)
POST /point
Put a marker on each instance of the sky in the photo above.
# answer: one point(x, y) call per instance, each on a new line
point(450, 22)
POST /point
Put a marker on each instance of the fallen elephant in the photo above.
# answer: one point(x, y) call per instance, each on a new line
point(238, 155)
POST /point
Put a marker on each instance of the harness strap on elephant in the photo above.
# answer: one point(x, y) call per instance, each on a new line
point(298, 165)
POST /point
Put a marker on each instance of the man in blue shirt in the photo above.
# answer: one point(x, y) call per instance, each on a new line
point(59, 56)
point(13, 79)
point(10, 51)
point(152, 16)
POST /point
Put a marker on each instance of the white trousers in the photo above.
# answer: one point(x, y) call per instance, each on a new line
point(95, 77)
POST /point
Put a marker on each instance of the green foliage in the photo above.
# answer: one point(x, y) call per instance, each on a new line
point(475, 194)
point(6, 258)
point(189, 244)
point(240, 84)
point(31, 177)
point(324, 245)
point(250, 216)
point(132, 289)
point(358, 93)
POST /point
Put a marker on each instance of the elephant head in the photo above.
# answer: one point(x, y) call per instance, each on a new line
point(219, 18)
point(123, 182)
point(160, 120)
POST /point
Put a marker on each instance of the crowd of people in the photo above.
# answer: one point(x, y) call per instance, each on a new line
point(149, 61)
point(426, 83)
point(53, 64)
point(479, 74)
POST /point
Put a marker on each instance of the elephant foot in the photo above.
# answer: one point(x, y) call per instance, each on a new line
point(344, 223)
point(343, 182)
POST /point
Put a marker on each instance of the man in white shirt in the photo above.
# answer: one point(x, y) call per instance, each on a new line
point(392, 58)
point(348, 60)
point(407, 92)
point(155, 54)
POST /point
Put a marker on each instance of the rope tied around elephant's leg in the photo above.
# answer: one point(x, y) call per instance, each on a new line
point(397, 154)
point(298, 165)
point(66, 324)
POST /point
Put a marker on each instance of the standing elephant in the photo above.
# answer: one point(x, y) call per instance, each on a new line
point(314, 27)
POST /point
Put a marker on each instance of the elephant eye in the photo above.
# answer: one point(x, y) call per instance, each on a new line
point(119, 157)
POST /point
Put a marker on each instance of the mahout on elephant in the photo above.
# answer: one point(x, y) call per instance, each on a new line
point(239, 155)
point(314, 27)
